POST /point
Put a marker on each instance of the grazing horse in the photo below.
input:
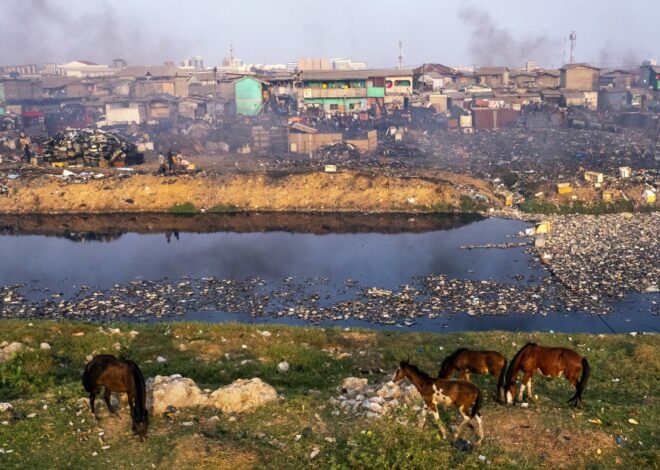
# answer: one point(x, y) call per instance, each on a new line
point(459, 393)
point(551, 362)
point(465, 361)
point(122, 377)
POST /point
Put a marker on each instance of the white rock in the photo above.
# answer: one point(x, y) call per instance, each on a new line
point(243, 395)
point(372, 406)
point(5, 406)
point(44, 346)
point(315, 452)
point(8, 351)
point(283, 366)
point(161, 359)
point(173, 390)
point(353, 383)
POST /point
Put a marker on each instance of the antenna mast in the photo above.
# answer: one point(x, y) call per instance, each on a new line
point(400, 54)
point(572, 38)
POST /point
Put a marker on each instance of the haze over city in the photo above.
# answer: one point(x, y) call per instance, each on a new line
point(452, 32)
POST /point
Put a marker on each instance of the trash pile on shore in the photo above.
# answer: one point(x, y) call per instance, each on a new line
point(608, 255)
point(92, 147)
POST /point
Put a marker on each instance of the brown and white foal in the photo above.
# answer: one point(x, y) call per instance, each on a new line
point(463, 395)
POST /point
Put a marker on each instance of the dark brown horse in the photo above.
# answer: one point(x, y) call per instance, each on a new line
point(463, 395)
point(121, 377)
point(466, 361)
point(550, 362)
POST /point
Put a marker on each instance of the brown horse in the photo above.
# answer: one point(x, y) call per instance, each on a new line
point(122, 377)
point(459, 393)
point(465, 361)
point(551, 362)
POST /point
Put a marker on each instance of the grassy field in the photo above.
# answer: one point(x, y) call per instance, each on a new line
point(50, 425)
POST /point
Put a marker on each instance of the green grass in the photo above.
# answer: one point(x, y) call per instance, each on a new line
point(182, 208)
point(579, 207)
point(224, 208)
point(549, 434)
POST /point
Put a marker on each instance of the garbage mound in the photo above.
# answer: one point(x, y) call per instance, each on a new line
point(91, 147)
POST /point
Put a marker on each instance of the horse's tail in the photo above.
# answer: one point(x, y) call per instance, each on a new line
point(582, 383)
point(140, 389)
point(477, 405)
point(447, 363)
point(501, 379)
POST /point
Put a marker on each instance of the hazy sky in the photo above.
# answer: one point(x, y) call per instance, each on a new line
point(451, 32)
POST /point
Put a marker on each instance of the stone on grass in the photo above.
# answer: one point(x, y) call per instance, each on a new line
point(8, 351)
point(243, 395)
point(173, 390)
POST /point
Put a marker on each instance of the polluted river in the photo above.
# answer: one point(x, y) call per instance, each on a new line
point(422, 272)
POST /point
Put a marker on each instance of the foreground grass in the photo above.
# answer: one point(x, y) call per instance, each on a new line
point(62, 434)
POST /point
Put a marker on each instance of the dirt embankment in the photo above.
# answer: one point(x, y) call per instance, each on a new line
point(87, 226)
point(350, 191)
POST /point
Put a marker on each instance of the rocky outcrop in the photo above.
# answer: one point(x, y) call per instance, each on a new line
point(243, 395)
point(182, 392)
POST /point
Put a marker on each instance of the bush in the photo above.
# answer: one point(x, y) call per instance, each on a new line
point(184, 208)
point(510, 179)
point(220, 208)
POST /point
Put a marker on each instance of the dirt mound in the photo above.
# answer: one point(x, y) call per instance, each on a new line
point(349, 191)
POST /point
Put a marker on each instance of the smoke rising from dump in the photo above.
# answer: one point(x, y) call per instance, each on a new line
point(40, 31)
point(491, 45)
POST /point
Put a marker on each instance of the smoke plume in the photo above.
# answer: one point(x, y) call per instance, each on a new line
point(40, 31)
point(491, 45)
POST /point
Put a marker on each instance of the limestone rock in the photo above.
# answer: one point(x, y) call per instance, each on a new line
point(8, 351)
point(243, 395)
point(173, 390)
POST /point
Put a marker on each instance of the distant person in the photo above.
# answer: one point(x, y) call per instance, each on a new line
point(170, 160)
point(162, 163)
point(27, 153)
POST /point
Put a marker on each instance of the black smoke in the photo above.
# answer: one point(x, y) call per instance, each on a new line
point(40, 31)
point(490, 44)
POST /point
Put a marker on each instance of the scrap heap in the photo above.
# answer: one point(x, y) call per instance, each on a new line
point(91, 147)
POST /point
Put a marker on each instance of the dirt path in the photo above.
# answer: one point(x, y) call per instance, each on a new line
point(346, 191)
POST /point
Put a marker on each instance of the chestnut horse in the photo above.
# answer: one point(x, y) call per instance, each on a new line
point(459, 393)
point(465, 361)
point(122, 377)
point(550, 362)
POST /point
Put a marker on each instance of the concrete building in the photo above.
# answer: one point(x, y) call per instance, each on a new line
point(582, 77)
point(493, 76)
point(85, 69)
point(313, 64)
point(249, 96)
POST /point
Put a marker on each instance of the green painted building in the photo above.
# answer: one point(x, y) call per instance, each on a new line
point(249, 96)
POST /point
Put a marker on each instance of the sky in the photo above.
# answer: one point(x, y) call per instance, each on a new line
point(450, 32)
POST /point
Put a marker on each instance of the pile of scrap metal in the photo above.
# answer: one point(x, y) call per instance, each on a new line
point(91, 147)
point(340, 150)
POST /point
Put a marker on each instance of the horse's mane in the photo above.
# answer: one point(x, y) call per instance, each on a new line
point(447, 360)
point(416, 370)
point(140, 389)
point(515, 361)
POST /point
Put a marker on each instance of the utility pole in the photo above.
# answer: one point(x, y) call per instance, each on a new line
point(572, 38)
point(400, 54)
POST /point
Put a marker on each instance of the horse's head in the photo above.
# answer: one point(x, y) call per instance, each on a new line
point(141, 423)
point(509, 392)
point(399, 375)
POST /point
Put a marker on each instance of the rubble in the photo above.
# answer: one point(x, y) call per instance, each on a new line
point(90, 147)
point(358, 398)
point(607, 255)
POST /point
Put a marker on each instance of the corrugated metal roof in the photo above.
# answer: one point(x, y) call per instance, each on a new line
point(154, 70)
point(492, 70)
point(353, 74)
point(573, 66)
